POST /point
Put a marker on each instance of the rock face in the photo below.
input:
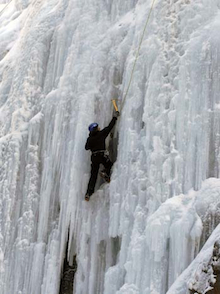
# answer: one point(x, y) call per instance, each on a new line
point(206, 279)
point(216, 286)
point(216, 268)
point(61, 63)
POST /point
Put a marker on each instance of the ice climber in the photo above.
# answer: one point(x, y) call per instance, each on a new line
point(96, 143)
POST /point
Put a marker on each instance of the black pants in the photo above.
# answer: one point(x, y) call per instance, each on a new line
point(97, 159)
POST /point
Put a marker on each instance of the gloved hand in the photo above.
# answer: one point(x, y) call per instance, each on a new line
point(117, 114)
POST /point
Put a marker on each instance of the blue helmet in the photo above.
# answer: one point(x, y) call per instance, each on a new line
point(93, 126)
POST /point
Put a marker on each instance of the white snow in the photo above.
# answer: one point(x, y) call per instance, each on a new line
point(2, 6)
point(61, 63)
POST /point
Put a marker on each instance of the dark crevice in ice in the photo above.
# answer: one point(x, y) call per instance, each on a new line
point(116, 247)
point(67, 279)
point(113, 146)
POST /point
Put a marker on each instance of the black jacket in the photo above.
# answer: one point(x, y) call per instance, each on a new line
point(96, 140)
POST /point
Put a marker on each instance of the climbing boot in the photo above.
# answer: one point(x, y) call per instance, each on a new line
point(87, 197)
point(104, 175)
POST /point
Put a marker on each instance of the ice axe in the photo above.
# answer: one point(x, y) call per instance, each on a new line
point(115, 105)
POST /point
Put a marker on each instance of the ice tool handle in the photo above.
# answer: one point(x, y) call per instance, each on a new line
point(115, 105)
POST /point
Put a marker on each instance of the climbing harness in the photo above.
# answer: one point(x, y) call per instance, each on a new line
point(99, 151)
point(137, 55)
point(106, 153)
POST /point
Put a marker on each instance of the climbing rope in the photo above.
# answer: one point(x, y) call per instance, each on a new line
point(5, 7)
point(137, 54)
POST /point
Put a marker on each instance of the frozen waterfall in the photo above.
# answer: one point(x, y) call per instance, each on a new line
point(154, 227)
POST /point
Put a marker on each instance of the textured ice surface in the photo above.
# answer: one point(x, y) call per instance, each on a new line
point(61, 63)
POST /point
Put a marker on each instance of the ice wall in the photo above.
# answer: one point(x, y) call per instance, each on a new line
point(61, 64)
